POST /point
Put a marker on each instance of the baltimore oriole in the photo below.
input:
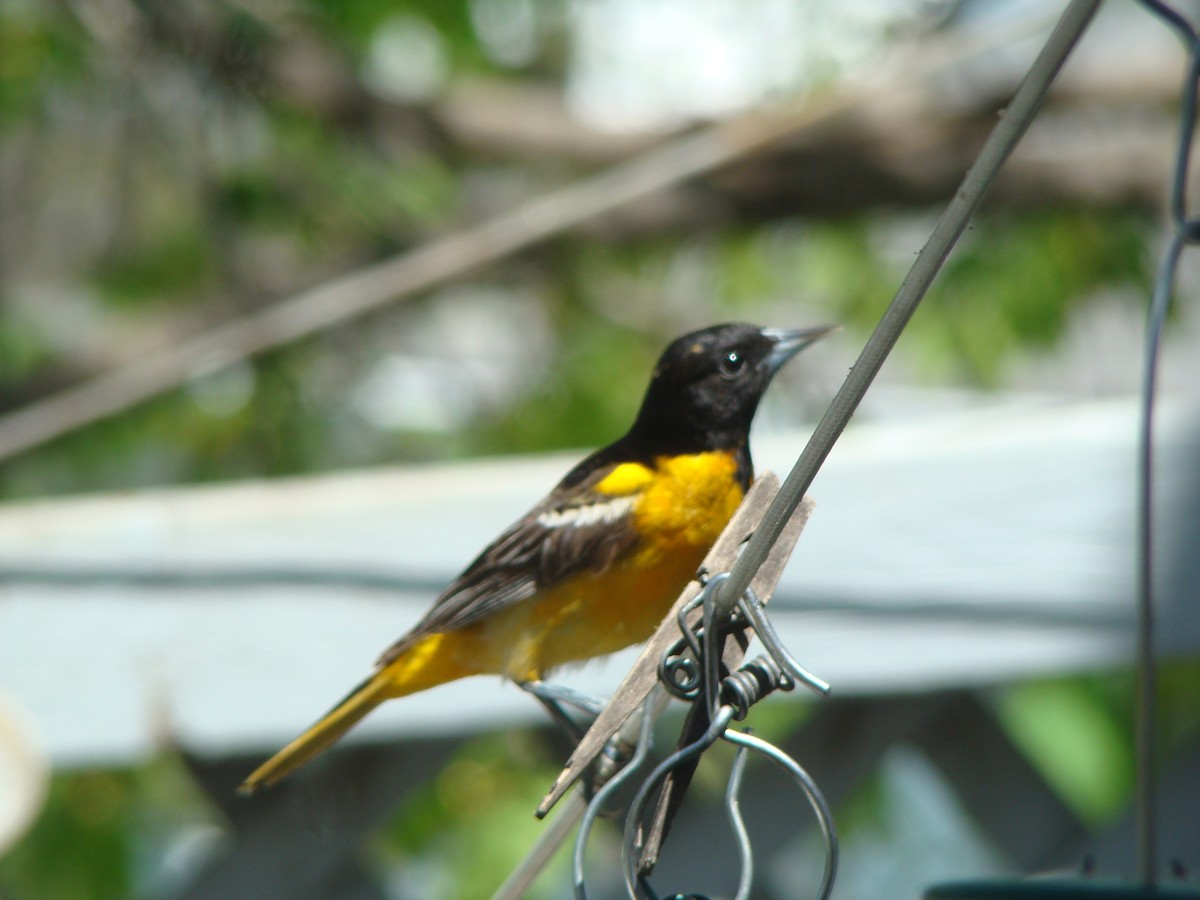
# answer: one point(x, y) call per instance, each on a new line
point(594, 566)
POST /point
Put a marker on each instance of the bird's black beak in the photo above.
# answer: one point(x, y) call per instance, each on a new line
point(790, 341)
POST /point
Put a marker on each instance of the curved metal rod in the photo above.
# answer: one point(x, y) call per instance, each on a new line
point(711, 658)
point(633, 818)
point(745, 742)
point(745, 851)
point(813, 793)
point(754, 610)
point(1181, 25)
point(601, 796)
point(681, 618)
point(702, 670)
point(1186, 232)
point(676, 662)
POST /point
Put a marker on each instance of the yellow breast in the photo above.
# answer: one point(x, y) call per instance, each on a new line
point(680, 507)
point(690, 500)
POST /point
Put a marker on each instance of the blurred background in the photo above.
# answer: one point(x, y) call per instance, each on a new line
point(341, 263)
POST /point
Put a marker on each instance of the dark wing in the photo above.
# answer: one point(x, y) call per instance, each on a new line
point(573, 529)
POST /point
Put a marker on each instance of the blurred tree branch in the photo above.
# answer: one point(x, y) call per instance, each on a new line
point(421, 269)
point(895, 139)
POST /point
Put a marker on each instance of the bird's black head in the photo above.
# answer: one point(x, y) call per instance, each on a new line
point(707, 385)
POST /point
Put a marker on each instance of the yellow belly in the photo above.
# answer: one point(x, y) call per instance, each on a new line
point(681, 509)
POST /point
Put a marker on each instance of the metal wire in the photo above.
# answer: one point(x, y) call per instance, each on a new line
point(726, 700)
point(734, 808)
point(634, 817)
point(602, 796)
point(811, 792)
point(754, 610)
point(637, 885)
point(1185, 231)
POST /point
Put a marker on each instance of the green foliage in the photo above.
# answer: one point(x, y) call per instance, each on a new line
point(336, 189)
point(355, 24)
point(21, 352)
point(80, 847)
point(167, 267)
point(104, 833)
point(1179, 714)
point(1012, 283)
point(255, 197)
point(251, 421)
point(588, 399)
point(754, 264)
point(779, 719)
point(1078, 733)
point(40, 47)
point(1018, 279)
point(471, 825)
point(865, 809)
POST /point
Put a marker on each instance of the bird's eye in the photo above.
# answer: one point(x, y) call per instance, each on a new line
point(732, 364)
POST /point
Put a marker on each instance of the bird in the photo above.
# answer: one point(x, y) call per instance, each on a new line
point(595, 566)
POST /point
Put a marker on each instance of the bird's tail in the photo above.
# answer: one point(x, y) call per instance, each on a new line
point(433, 660)
point(327, 729)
